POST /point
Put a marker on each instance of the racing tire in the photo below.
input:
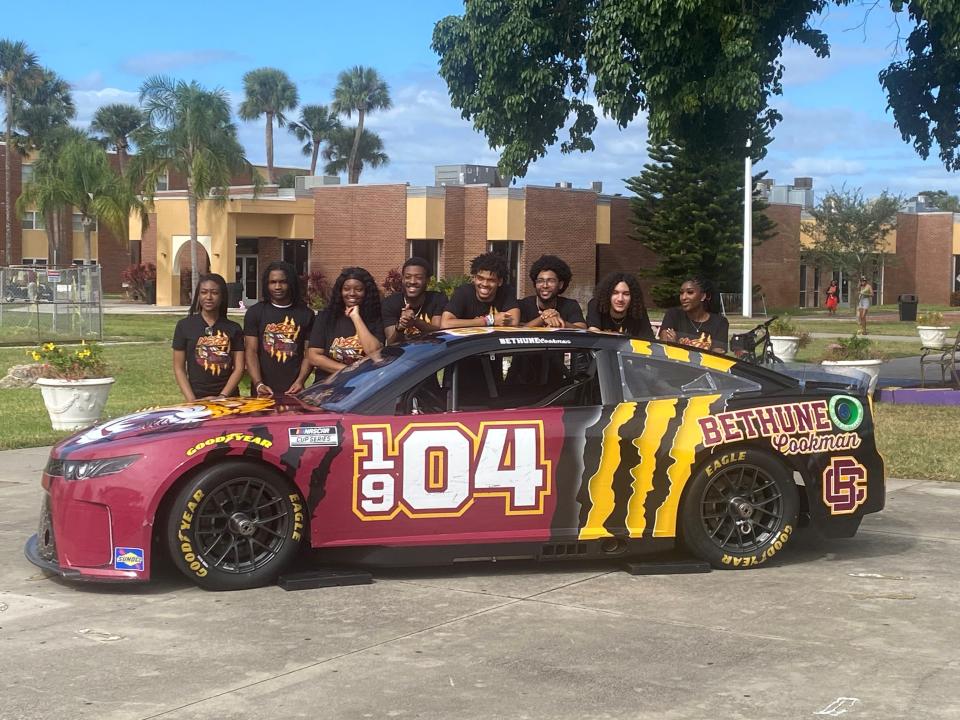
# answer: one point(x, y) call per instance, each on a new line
point(739, 510)
point(235, 526)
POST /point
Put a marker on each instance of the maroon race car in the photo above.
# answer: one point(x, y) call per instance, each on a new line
point(469, 444)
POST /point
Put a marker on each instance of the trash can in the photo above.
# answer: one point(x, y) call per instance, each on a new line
point(234, 293)
point(908, 307)
point(150, 287)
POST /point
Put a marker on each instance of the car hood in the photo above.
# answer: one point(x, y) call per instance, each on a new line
point(186, 416)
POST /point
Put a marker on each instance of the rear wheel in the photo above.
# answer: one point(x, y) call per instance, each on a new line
point(234, 526)
point(739, 510)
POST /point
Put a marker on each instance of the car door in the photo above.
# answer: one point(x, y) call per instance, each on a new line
point(474, 453)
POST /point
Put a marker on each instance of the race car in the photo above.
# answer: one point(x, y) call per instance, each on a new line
point(469, 444)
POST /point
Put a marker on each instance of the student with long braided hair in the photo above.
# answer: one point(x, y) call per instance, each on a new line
point(692, 323)
point(617, 306)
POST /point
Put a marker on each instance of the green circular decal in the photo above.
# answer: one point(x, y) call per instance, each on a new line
point(846, 412)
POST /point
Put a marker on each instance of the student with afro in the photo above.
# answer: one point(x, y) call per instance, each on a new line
point(547, 307)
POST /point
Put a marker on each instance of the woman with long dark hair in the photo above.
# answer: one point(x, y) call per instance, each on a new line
point(207, 347)
point(617, 306)
point(692, 323)
point(350, 327)
point(276, 330)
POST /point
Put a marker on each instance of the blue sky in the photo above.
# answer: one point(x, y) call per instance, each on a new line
point(835, 127)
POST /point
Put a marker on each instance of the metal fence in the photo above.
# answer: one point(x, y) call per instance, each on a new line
point(731, 303)
point(40, 304)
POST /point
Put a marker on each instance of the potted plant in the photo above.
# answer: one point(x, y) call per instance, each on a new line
point(853, 355)
point(74, 383)
point(787, 338)
point(933, 333)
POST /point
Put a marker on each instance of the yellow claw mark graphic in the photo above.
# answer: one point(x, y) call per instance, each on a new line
point(683, 452)
point(601, 484)
point(659, 415)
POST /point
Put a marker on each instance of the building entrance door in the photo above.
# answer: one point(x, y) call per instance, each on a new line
point(247, 277)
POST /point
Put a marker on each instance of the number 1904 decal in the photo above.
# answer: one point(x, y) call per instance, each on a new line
point(439, 469)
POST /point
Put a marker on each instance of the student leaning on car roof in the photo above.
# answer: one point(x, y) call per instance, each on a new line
point(488, 302)
point(414, 310)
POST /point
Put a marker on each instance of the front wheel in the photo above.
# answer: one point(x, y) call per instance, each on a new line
point(234, 526)
point(740, 509)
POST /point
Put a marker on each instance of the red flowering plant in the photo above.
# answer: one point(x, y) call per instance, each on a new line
point(317, 289)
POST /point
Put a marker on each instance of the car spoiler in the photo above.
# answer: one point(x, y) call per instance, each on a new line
point(813, 377)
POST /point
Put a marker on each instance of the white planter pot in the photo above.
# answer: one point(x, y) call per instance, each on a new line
point(851, 368)
point(74, 404)
point(932, 336)
point(785, 346)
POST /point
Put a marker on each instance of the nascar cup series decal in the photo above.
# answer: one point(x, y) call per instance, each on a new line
point(322, 435)
point(128, 558)
point(793, 428)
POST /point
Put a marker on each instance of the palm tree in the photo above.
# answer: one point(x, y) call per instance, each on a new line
point(43, 124)
point(79, 176)
point(18, 70)
point(362, 90)
point(315, 126)
point(189, 130)
point(116, 123)
point(269, 92)
point(341, 145)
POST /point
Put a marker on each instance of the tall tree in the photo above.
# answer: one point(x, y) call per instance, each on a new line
point(19, 71)
point(923, 88)
point(116, 123)
point(849, 232)
point(315, 126)
point(43, 118)
point(268, 92)
point(688, 209)
point(942, 200)
point(189, 131)
point(80, 177)
point(343, 154)
point(359, 89)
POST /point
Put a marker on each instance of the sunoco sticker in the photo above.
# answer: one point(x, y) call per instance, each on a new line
point(324, 435)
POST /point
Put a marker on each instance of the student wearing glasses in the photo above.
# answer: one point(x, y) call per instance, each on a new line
point(547, 307)
point(207, 347)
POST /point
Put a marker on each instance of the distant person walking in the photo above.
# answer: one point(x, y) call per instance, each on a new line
point(207, 347)
point(863, 303)
point(833, 297)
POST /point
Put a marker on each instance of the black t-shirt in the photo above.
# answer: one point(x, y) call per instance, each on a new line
point(209, 351)
point(431, 304)
point(281, 334)
point(711, 333)
point(341, 342)
point(569, 309)
point(627, 326)
point(465, 306)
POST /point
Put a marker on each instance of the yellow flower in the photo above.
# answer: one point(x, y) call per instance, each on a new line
point(36, 355)
point(48, 346)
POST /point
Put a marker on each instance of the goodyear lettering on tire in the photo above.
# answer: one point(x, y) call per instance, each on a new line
point(194, 561)
point(760, 558)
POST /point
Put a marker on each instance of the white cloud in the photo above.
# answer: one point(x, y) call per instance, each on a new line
point(162, 62)
point(87, 102)
point(803, 67)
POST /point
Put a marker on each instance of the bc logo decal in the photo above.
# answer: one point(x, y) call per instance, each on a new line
point(439, 469)
point(844, 485)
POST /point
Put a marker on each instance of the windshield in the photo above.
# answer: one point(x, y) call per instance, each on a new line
point(347, 388)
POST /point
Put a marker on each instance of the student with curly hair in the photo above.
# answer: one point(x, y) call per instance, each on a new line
point(207, 347)
point(488, 301)
point(617, 306)
point(692, 323)
point(350, 327)
point(414, 310)
point(547, 307)
point(276, 330)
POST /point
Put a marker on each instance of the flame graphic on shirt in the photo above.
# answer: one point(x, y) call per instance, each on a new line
point(280, 339)
point(704, 341)
point(213, 352)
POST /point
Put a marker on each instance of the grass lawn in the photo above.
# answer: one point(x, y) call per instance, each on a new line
point(918, 441)
point(890, 348)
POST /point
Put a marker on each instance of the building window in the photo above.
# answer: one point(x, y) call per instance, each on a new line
point(803, 286)
point(956, 273)
point(33, 220)
point(33, 261)
point(163, 181)
point(79, 261)
point(26, 174)
point(429, 250)
point(78, 223)
point(816, 286)
point(297, 253)
point(510, 249)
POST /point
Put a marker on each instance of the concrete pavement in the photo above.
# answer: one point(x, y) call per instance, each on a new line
point(867, 626)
